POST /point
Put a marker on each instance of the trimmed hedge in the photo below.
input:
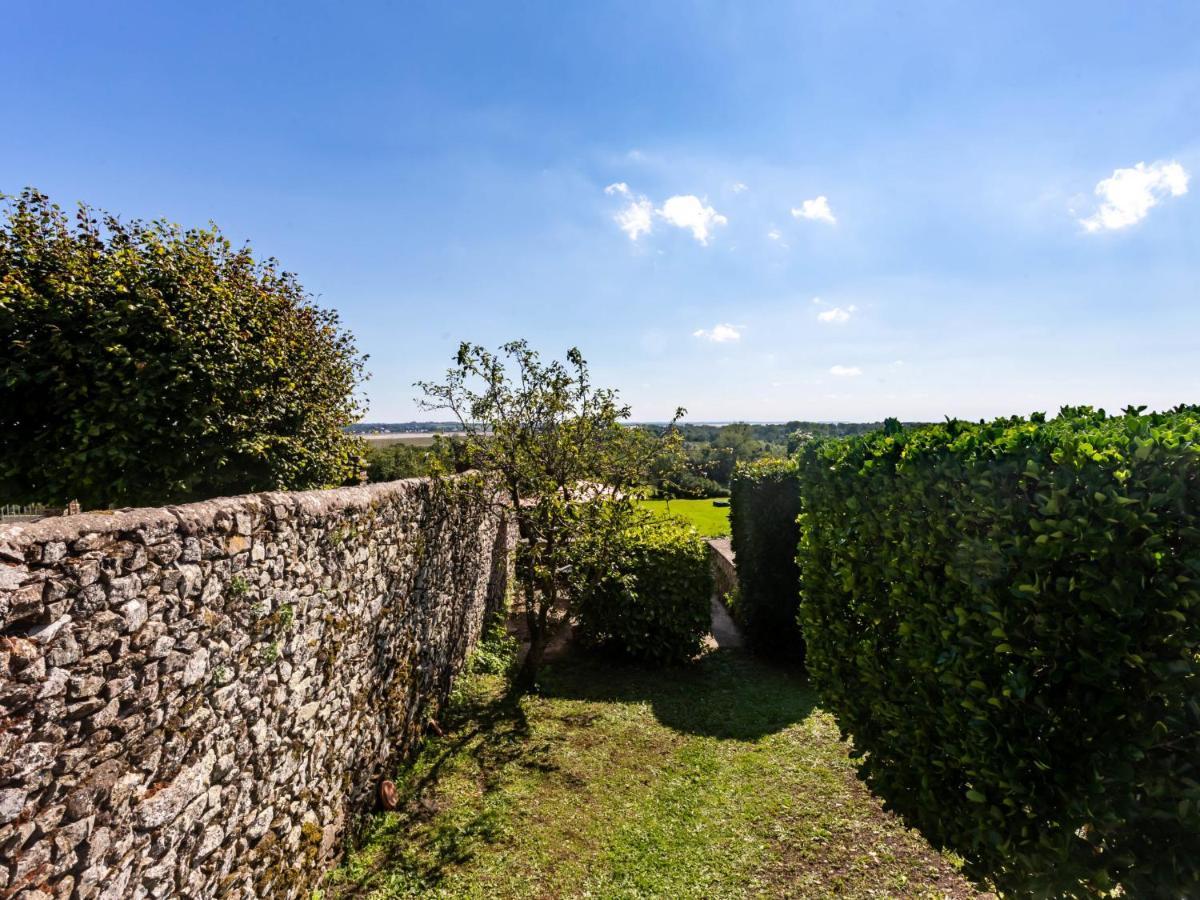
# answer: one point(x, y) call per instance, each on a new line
point(1006, 616)
point(646, 595)
point(764, 503)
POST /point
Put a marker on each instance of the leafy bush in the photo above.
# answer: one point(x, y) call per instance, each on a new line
point(144, 364)
point(688, 485)
point(1007, 618)
point(496, 652)
point(392, 462)
point(764, 504)
point(646, 593)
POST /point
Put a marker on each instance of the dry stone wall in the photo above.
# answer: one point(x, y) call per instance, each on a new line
point(199, 700)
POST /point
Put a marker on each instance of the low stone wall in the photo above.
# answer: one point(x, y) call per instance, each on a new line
point(720, 558)
point(199, 700)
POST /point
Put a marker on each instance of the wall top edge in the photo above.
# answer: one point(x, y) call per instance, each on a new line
point(203, 515)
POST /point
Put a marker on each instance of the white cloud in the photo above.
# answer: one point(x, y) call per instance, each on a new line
point(684, 211)
point(1129, 194)
point(688, 211)
point(837, 315)
point(719, 334)
point(774, 234)
point(845, 371)
point(738, 187)
point(816, 209)
point(636, 217)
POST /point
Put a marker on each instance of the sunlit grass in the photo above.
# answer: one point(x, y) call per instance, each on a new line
point(721, 779)
point(710, 521)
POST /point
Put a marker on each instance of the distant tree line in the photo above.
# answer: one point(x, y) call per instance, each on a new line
point(709, 454)
point(701, 464)
point(391, 462)
point(401, 427)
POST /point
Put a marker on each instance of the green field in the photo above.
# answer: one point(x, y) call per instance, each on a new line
point(386, 440)
point(710, 521)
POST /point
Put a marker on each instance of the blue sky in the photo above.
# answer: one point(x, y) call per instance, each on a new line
point(438, 172)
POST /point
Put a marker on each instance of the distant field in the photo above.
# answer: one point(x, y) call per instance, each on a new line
point(710, 521)
point(415, 438)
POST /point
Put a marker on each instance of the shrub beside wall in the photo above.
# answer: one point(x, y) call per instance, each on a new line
point(647, 596)
point(1006, 616)
point(143, 364)
point(765, 501)
point(197, 701)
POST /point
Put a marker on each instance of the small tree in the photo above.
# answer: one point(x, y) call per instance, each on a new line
point(561, 457)
point(145, 364)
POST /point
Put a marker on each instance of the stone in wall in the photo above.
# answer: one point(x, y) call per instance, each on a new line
point(199, 700)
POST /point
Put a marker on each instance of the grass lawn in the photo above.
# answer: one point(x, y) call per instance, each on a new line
point(722, 779)
point(710, 521)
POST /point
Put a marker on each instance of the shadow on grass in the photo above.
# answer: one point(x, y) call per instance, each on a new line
point(486, 733)
point(726, 694)
point(453, 802)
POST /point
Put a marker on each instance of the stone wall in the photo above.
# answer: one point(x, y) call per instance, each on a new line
point(720, 558)
point(200, 700)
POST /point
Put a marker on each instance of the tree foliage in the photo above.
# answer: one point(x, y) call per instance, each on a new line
point(708, 455)
point(145, 364)
point(395, 461)
point(561, 457)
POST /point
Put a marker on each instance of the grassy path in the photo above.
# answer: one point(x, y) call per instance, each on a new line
point(719, 780)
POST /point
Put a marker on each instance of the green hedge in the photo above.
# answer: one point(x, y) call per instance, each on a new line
point(764, 503)
point(145, 365)
point(646, 595)
point(1006, 616)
